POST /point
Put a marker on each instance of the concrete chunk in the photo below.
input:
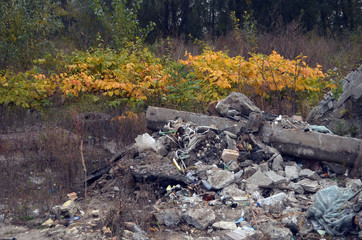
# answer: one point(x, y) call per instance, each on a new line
point(229, 155)
point(260, 179)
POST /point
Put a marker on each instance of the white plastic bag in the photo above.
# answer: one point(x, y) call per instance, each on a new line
point(146, 142)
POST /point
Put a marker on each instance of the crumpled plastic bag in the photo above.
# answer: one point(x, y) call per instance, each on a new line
point(332, 211)
point(146, 142)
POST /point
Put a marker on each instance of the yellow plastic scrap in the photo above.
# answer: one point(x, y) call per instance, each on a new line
point(176, 165)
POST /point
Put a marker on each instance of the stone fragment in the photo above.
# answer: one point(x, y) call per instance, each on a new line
point(246, 163)
point(234, 192)
point(233, 166)
point(277, 163)
point(309, 174)
point(309, 185)
point(275, 230)
point(242, 234)
point(277, 179)
point(200, 218)
point(290, 218)
point(264, 167)
point(220, 178)
point(260, 179)
point(224, 225)
point(169, 217)
point(291, 172)
point(236, 101)
point(229, 155)
point(250, 170)
point(296, 187)
point(68, 209)
point(354, 184)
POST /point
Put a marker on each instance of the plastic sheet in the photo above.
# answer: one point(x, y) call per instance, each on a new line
point(331, 211)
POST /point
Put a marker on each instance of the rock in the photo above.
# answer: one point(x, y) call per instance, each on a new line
point(296, 187)
point(247, 163)
point(342, 116)
point(309, 185)
point(234, 192)
point(277, 163)
point(291, 217)
point(275, 230)
point(291, 172)
point(260, 179)
point(354, 184)
point(309, 174)
point(223, 225)
point(242, 234)
point(236, 101)
point(250, 170)
point(220, 178)
point(264, 167)
point(233, 166)
point(200, 218)
point(139, 236)
point(169, 217)
point(277, 179)
point(68, 209)
point(229, 155)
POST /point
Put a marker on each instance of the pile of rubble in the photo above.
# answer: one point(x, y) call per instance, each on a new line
point(244, 175)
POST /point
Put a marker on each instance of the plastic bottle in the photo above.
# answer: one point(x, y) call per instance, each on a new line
point(277, 198)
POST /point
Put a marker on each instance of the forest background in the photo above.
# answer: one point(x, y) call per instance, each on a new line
point(125, 55)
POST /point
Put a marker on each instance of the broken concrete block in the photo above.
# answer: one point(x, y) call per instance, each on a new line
point(229, 155)
point(234, 192)
point(309, 185)
point(260, 179)
point(200, 218)
point(68, 209)
point(309, 174)
point(169, 217)
point(247, 163)
point(250, 170)
point(296, 187)
point(242, 234)
point(277, 163)
point(277, 179)
point(264, 167)
point(291, 172)
point(354, 184)
point(220, 178)
point(236, 101)
point(275, 230)
point(224, 225)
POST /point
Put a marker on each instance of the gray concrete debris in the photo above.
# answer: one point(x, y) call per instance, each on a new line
point(68, 209)
point(309, 185)
point(242, 234)
point(236, 104)
point(260, 179)
point(220, 178)
point(296, 187)
point(291, 172)
point(200, 218)
point(278, 163)
point(168, 217)
point(277, 179)
point(309, 174)
point(275, 230)
point(224, 225)
point(354, 184)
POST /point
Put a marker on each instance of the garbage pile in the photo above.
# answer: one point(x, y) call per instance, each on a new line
point(228, 183)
